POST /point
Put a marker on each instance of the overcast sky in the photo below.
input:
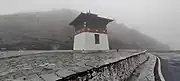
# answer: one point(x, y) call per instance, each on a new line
point(157, 18)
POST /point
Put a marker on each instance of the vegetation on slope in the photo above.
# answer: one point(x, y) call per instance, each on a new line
point(51, 30)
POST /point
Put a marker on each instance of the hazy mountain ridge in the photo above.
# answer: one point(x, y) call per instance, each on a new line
point(51, 30)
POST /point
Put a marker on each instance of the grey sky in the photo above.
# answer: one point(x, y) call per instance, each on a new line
point(156, 18)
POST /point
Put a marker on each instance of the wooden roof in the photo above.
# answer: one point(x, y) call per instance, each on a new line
point(89, 17)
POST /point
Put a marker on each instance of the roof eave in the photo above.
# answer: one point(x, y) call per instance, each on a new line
point(72, 22)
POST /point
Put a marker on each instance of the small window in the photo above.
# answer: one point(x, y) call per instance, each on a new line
point(96, 38)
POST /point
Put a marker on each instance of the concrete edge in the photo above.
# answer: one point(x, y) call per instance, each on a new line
point(159, 70)
point(117, 60)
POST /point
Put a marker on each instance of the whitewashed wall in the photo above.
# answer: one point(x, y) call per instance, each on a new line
point(86, 41)
point(79, 41)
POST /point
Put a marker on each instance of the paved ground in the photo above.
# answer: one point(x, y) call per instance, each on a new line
point(170, 66)
point(51, 65)
point(16, 53)
point(145, 72)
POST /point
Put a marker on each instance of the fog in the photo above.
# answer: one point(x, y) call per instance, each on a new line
point(156, 18)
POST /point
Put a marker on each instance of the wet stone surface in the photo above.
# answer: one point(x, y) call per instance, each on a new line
point(37, 67)
point(114, 71)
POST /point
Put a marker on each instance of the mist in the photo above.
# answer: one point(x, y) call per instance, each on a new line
point(156, 18)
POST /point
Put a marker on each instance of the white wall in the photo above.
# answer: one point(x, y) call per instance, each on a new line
point(79, 41)
point(86, 41)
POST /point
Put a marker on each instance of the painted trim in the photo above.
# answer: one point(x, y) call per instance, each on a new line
point(92, 30)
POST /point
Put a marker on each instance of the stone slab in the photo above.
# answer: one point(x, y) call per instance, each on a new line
point(65, 72)
point(50, 77)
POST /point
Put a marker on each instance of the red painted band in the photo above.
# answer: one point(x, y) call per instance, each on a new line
point(93, 30)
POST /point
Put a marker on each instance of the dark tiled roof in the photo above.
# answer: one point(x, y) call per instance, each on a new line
point(89, 17)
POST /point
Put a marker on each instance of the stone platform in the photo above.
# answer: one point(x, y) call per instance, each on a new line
point(51, 66)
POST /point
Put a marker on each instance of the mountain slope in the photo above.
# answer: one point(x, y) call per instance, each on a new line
point(50, 30)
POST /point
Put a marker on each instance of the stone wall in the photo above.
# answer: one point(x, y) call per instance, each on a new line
point(119, 70)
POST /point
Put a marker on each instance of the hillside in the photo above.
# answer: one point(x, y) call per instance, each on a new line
point(51, 30)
